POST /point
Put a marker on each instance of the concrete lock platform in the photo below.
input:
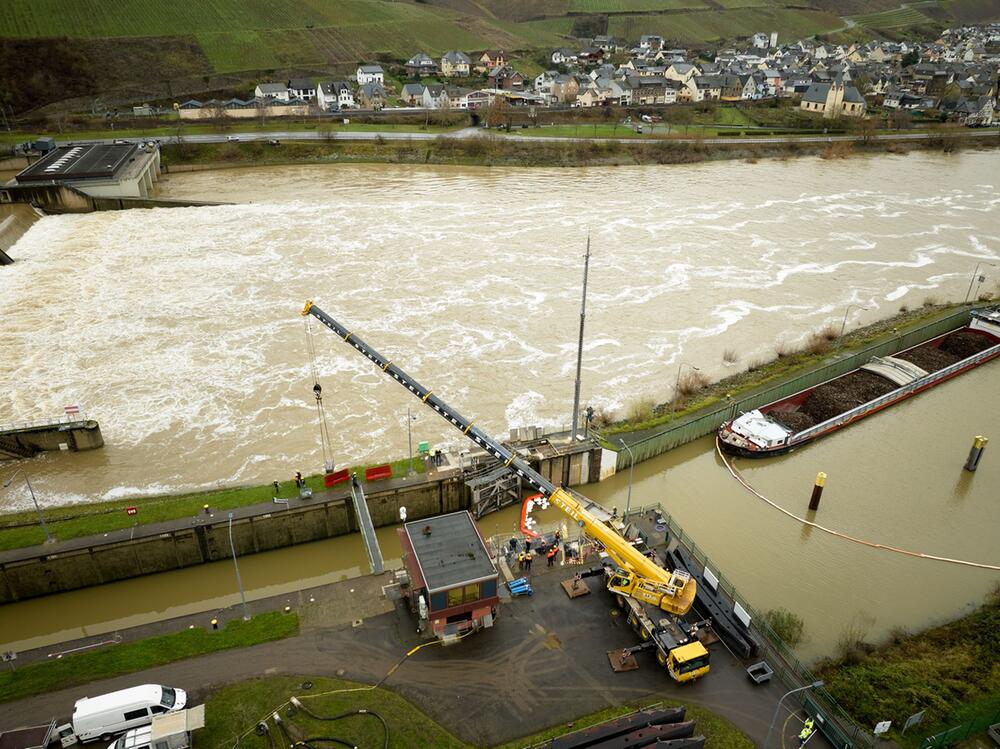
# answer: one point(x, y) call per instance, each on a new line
point(544, 663)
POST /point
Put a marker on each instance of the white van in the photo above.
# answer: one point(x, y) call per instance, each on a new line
point(109, 714)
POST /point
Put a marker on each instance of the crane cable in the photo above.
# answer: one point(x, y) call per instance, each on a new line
point(871, 544)
point(324, 429)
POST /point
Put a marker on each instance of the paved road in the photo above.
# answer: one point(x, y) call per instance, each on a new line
point(542, 664)
point(470, 132)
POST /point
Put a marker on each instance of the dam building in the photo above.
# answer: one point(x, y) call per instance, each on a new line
point(119, 170)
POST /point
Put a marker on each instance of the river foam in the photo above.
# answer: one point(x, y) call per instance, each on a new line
point(179, 329)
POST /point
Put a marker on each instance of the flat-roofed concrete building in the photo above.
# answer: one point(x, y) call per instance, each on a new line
point(102, 170)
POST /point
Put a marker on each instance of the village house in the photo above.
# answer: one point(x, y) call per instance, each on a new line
point(435, 97)
point(412, 94)
point(303, 88)
point(276, 91)
point(371, 96)
point(370, 73)
point(564, 56)
point(506, 78)
point(335, 95)
point(833, 100)
point(420, 65)
point(491, 59)
point(565, 88)
point(455, 64)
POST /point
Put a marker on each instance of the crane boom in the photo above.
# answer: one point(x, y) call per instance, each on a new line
point(639, 577)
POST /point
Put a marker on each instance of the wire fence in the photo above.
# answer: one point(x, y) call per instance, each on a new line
point(953, 735)
point(686, 430)
point(842, 731)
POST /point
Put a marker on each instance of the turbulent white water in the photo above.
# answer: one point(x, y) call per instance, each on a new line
point(179, 329)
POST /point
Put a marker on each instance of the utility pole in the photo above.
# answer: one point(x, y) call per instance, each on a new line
point(579, 350)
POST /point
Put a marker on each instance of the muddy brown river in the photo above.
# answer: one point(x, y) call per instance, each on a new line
point(179, 330)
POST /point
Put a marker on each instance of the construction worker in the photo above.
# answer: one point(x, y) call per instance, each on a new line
point(520, 561)
point(806, 732)
point(527, 560)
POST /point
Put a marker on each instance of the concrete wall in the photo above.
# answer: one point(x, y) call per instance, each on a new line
point(39, 572)
point(79, 436)
point(67, 199)
point(210, 113)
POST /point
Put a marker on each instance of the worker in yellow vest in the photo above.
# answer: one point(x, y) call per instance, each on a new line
point(806, 732)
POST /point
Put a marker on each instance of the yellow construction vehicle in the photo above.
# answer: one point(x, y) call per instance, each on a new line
point(635, 577)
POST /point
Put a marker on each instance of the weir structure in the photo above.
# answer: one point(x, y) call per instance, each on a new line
point(28, 439)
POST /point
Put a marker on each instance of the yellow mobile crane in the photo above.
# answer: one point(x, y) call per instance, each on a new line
point(636, 577)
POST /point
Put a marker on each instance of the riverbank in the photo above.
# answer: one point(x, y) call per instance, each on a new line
point(505, 151)
point(949, 671)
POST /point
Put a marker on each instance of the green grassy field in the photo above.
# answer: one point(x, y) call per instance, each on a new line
point(18, 530)
point(620, 6)
point(129, 657)
point(891, 19)
point(707, 26)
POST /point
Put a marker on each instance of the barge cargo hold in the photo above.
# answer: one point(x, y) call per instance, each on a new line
point(791, 422)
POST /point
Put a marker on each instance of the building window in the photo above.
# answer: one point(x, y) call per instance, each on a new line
point(466, 594)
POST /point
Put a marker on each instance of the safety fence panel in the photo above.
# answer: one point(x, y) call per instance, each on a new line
point(963, 731)
point(699, 425)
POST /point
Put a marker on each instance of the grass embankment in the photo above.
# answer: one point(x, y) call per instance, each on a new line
point(785, 364)
point(21, 529)
point(517, 152)
point(952, 672)
point(235, 709)
point(115, 660)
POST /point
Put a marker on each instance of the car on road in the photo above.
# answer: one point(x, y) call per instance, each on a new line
point(232, 138)
point(274, 142)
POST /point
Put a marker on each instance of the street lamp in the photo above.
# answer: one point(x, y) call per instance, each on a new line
point(239, 580)
point(410, 418)
point(677, 383)
point(631, 467)
point(972, 280)
point(844, 324)
point(774, 717)
point(41, 518)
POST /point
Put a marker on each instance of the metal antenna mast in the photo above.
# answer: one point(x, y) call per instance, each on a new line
point(579, 350)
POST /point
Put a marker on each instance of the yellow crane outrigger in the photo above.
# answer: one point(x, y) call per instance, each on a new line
point(637, 576)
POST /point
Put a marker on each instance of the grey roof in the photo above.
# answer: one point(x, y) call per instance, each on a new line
point(449, 550)
point(420, 59)
point(370, 68)
point(817, 94)
point(272, 88)
point(455, 57)
point(302, 84)
point(372, 89)
point(79, 162)
point(413, 89)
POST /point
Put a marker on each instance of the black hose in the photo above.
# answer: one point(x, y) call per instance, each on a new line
point(327, 739)
point(311, 714)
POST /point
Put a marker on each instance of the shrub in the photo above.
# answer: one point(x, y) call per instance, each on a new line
point(602, 417)
point(788, 626)
point(903, 308)
point(730, 356)
point(816, 343)
point(931, 301)
point(691, 382)
point(783, 349)
point(641, 409)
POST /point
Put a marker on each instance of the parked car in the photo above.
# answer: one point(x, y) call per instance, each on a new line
point(107, 715)
point(274, 142)
point(232, 138)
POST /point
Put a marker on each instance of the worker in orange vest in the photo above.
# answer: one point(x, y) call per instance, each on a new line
point(551, 556)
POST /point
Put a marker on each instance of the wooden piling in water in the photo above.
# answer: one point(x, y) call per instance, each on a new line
point(978, 445)
point(817, 491)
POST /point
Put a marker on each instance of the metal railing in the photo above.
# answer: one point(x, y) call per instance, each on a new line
point(842, 730)
point(708, 422)
point(23, 426)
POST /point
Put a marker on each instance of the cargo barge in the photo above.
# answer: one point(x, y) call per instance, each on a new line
point(798, 419)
